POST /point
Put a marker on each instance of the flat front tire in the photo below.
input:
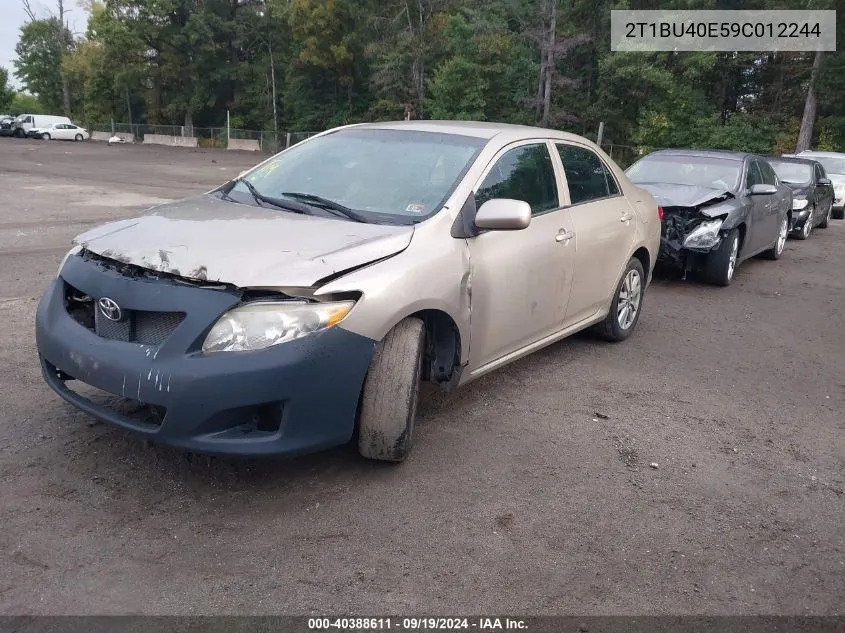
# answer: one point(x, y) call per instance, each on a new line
point(390, 394)
point(45, 136)
point(626, 305)
point(78, 137)
point(721, 263)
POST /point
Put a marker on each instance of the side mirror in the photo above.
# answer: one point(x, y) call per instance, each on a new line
point(763, 190)
point(503, 214)
point(824, 182)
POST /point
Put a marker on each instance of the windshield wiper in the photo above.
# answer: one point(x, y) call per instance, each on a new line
point(259, 197)
point(325, 203)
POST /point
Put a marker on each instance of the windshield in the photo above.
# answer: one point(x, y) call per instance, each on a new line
point(796, 173)
point(832, 164)
point(393, 176)
point(698, 171)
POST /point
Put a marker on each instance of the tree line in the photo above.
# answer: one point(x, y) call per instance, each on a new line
point(307, 65)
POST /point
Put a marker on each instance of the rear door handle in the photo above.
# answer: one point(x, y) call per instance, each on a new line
point(626, 217)
point(564, 236)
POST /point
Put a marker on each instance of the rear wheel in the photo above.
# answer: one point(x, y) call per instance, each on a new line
point(838, 214)
point(78, 137)
point(390, 394)
point(626, 305)
point(777, 250)
point(45, 136)
point(721, 263)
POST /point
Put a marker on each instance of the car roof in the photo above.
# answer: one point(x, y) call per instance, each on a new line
point(478, 129)
point(828, 154)
point(792, 159)
point(704, 153)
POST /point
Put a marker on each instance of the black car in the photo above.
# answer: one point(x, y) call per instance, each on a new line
point(719, 208)
point(812, 192)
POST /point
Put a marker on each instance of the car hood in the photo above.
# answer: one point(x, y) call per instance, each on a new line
point(672, 195)
point(208, 239)
point(798, 188)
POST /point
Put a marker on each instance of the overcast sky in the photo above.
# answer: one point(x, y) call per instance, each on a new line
point(13, 17)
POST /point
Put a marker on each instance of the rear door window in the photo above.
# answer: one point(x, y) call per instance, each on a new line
point(587, 176)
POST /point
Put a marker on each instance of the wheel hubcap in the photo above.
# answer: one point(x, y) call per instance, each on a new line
point(732, 258)
point(808, 226)
point(784, 229)
point(630, 295)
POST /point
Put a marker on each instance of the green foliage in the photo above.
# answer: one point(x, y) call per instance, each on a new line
point(7, 95)
point(25, 103)
point(307, 65)
point(40, 50)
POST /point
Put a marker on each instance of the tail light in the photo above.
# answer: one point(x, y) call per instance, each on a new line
point(660, 213)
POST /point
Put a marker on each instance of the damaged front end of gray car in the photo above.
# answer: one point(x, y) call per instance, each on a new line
point(690, 233)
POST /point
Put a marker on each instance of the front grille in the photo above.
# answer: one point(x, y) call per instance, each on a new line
point(137, 326)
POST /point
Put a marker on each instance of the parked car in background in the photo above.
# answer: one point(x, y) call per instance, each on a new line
point(25, 122)
point(812, 192)
point(6, 125)
point(719, 208)
point(255, 318)
point(834, 166)
point(60, 132)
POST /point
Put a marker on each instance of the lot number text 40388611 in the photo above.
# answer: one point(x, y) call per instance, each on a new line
point(417, 624)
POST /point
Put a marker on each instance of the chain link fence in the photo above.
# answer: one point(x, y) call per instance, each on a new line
point(210, 137)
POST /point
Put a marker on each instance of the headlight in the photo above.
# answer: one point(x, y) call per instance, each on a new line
point(264, 323)
point(70, 253)
point(705, 235)
point(799, 203)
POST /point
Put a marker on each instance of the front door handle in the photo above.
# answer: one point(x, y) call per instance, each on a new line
point(626, 217)
point(564, 236)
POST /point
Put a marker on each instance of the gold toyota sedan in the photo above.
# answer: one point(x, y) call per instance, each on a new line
point(301, 304)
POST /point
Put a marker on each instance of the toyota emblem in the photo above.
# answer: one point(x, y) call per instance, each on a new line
point(110, 309)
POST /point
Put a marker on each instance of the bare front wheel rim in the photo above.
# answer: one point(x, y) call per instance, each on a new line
point(732, 259)
point(784, 230)
point(630, 296)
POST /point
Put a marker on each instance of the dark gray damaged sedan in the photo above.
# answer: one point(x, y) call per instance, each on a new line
point(718, 208)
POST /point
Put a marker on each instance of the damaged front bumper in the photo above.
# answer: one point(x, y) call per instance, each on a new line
point(798, 219)
point(296, 397)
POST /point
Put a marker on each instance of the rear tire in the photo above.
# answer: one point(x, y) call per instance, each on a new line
point(721, 263)
point(838, 214)
point(777, 250)
point(390, 394)
point(627, 304)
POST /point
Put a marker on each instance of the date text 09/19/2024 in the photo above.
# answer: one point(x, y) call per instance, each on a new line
point(416, 624)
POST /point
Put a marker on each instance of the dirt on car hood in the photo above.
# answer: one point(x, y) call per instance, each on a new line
point(208, 239)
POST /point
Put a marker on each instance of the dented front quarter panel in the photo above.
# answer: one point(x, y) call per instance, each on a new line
point(208, 239)
point(433, 273)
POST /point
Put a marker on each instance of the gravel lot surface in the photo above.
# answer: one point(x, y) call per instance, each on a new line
point(529, 491)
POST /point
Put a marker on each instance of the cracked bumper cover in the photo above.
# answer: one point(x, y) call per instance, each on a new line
point(311, 385)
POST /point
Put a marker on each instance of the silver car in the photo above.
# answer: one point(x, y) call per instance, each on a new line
point(307, 299)
point(834, 165)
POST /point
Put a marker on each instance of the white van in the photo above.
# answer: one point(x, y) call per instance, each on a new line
point(25, 122)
